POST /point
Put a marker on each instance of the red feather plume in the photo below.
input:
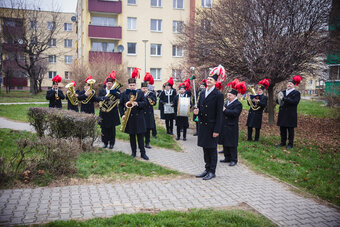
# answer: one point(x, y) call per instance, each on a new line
point(219, 85)
point(297, 79)
point(148, 78)
point(233, 83)
point(57, 79)
point(135, 73)
point(88, 78)
point(74, 83)
point(265, 83)
point(171, 81)
point(187, 84)
point(241, 87)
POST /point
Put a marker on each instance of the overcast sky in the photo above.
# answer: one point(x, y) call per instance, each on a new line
point(47, 5)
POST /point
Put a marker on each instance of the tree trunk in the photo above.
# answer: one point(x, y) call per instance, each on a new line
point(39, 88)
point(271, 105)
point(32, 85)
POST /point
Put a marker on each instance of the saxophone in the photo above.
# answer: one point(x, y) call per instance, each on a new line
point(128, 111)
point(91, 82)
point(108, 105)
point(71, 95)
point(251, 104)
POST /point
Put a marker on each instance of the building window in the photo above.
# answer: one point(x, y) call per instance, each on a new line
point(177, 26)
point(177, 74)
point(103, 46)
point(67, 75)
point(52, 59)
point(131, 48)
point(177, 51)
point(156, 3)
point(132, 23)
point(156, 73)
point(178, 4)
point(68, 59)
point(51, 74)
point(51, 25)
point(103, 21)
point(207, 3)
point(206, 25)
point(67, 42)
point(67, 27)
point(155, 49)
point(52, 43)
point(34, 25)
point(132, 2)
point(156, 25)
point(130, 70)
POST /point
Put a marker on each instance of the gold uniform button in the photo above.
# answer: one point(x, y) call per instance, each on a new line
point(206, 105)
point(205, 114)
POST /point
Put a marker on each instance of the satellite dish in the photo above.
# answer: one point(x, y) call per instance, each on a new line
point(20, 41)
point(73, 18)
point(120, 48)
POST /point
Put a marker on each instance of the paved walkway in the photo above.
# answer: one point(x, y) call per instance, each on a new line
point(232, 186)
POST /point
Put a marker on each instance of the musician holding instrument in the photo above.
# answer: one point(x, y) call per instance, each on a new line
point(55, 95)
point(71, 96)
point(151, 100)
point(109, 96)
point(257, 103)
point(209, 111)
point(87, 97)
point(131, 107)
point(287, 119)
point(166, 99)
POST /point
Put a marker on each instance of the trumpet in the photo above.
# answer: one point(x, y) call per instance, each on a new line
point(71, 95)
point(93, 92)
point(56, 95)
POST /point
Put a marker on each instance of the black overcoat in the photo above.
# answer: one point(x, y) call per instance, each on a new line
point(288, 111)
point(50, 95)
point(163, 98)
point(160, 106)
point(230, 131)
point(182, 122)
point(109, 119)
point(254, 119)
point(88, 107)
point(148, 110)
point(136, 122)
point(210, 118)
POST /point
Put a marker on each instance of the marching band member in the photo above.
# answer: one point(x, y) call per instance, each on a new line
point(166, 99)
point(131, 106)
point(55, 95)
point(151, 100)
point(259, 101)
point(109, 118)
point(209, 111)
point(230, 131)
point(88, 97)
point(287, 119)
point(203, 85)
point(70, 106)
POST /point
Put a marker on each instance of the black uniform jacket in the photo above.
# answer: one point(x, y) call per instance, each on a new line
point(160, 106)
point(288, 111)
point(109, 119)
point(69, 104)
point(163, 99)
point(210, 118)
point(148, 110)
point(136, 122)
point(182, 122)
point(50, 95)
point(254, 119)
point(89, 107)
point(229, 134)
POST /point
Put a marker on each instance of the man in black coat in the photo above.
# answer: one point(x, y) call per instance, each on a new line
point(209, 111)
point(87, 98)
point(287, 119)
point(203, 85)
point(135, 125)
point(182, 122)
point(166, 99)
point(230, 131)
point(70, 106)
point(55, 95)
point(110, 119)
point(254, 119)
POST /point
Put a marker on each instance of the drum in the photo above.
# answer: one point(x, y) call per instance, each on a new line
point(168, 109)
point(183, 107)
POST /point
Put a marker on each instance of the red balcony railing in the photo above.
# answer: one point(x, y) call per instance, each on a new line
point(11, 47)
point(14, 32)
point(105, 6)
point(107, 56)
point(96, 31)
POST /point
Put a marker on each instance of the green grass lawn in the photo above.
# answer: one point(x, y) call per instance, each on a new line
point(308, 165)
point(17, 112)
point(22, 96)
point(194, 217)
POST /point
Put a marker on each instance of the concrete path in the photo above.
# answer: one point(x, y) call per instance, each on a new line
point(232, 186)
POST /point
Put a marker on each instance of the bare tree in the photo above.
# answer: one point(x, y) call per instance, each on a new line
point(257, 39)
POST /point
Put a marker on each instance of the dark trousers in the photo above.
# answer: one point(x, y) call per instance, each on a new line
point(210, 159)
point(140, 139)
point(109, 135)
point(169, 125)
point(147, 136)
point(196, 126)
point(250, 134)
point(283, 133)
point(230, 153)
point(154, 131)
point(179, 132)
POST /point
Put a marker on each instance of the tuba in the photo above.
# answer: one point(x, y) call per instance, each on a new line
point(251, 104)
point(109, 104)
point(71, 94)
point(93, 92)
point(128, 111)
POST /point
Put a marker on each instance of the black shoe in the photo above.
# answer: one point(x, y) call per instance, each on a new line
point(202, 174)
point(148, 146)
point(177, 138)
point(133, 154)
point(281, 145)
point(224, 160)
point(221, 152)
point(196, 134)
point(209, 176)
point(144, 156)
point(111, 146)
point(232, 163)
point(290, 146)
point(184, 139)
point(105, 145)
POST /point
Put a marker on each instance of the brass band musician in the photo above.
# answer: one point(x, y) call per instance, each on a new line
point(55, 95)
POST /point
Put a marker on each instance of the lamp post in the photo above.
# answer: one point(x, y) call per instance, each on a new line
point(145, 41)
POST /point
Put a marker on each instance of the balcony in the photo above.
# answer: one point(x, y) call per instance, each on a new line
point(105, 6)
point(110, 56)
point(107, 32)
point(12, 47)
point(15, 81)
point(10, 65)
point(13, 32)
